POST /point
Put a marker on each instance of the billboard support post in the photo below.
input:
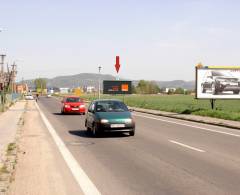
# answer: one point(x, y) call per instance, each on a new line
point(212, 101)
point(99, 85)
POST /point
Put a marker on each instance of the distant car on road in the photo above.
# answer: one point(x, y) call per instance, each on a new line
point(109, 116)
point(29, 97)
point(217, 82)
point(49, 95)
point(72, 104)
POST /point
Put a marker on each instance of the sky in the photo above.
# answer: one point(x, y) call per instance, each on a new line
point(155, 39)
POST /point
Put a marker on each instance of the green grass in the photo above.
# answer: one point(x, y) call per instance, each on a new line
point(183, 104)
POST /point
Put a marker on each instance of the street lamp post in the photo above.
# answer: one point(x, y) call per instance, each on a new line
point(99, 85)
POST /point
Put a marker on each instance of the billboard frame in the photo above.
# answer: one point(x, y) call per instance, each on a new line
point(212, 100)
point(119, 85)
point(213, 68)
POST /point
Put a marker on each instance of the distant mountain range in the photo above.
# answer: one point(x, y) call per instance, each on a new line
point(91, 79)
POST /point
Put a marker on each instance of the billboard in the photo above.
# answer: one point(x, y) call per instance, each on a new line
point(117, 87)
point(216, 82)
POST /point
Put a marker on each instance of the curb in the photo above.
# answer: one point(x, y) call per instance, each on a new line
point(223, 122)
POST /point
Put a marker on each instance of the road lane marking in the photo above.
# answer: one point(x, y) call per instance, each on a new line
point(80, 176)
point(186, 146)
point(193, 126)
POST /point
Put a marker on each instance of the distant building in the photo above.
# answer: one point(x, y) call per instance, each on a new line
point(89, 89)
point(168, 90)
point(64, 90)
point(55, 90)
point(50, 90)
point(22, 88)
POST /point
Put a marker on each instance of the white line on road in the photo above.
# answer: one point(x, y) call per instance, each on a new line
point(183, 124)
point(186, 146)
point(81, 177)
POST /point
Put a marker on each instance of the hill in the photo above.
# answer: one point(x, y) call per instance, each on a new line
point(91, 79)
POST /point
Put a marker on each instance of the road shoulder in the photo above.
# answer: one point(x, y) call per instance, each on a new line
point(40, 168)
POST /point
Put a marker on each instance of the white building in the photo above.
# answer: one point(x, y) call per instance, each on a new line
point(170, 90)
point(89, 89)
point(64, 90)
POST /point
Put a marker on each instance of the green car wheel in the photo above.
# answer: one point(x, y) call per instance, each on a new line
point(132, 133)
point(95, 131)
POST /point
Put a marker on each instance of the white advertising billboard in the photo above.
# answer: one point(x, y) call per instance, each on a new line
point(218, 83)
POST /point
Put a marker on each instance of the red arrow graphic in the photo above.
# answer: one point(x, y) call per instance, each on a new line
point(117, 65)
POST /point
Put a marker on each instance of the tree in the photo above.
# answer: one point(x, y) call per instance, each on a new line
point(40, 84)
point(134, 90)
point(179, 91)
point(153, 88)
point(147, 87)
point(142, 87)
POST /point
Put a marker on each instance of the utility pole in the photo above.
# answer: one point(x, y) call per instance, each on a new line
point(99, 85)
point(22, 85)
point(13, 76)
point(2, 81)
point(2, 62)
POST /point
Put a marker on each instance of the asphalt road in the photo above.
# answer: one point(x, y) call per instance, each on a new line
point(166, 156)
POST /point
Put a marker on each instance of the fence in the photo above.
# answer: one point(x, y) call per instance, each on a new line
point(8, 99)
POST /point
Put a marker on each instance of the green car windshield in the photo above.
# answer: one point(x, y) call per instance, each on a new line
point(111, 106)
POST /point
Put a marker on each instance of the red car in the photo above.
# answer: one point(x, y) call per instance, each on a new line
point(73, 104)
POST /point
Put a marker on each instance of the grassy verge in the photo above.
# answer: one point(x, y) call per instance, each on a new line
point(9, 159)
point(7, 167)
point(3, 170)
point(10, 148)
point(182, 104)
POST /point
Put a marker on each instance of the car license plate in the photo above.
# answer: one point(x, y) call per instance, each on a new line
point(75, 108)
point(117, 125)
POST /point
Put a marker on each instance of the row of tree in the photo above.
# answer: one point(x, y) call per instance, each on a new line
point(143, 87)
point(146, 87)
point(150, 87)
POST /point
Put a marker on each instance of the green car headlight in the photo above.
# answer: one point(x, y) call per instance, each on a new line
point(128, 120)
point(104, 121)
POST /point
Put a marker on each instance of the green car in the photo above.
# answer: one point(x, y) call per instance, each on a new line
point(109, 116)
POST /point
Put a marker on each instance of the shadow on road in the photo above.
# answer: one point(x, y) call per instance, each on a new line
point(85, 134)
point(59, 113)
point(81, 133)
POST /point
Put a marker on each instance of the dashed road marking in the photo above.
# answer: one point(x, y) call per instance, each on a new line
point(186, 146)
point(193, 126)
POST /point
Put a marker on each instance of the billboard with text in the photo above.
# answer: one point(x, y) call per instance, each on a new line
point(117, 87)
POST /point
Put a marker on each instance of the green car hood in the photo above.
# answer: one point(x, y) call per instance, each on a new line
point(113, 116)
